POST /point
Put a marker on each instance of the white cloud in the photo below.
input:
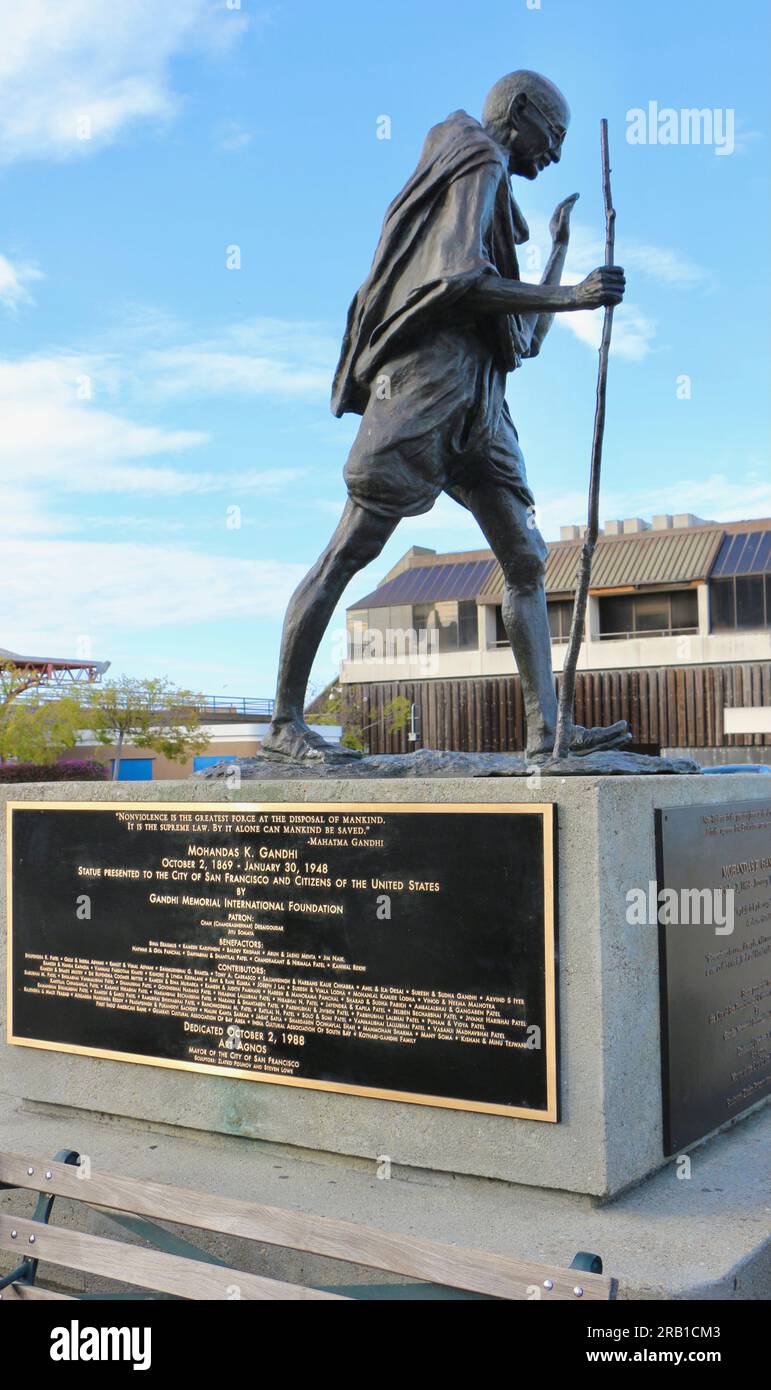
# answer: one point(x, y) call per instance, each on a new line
point(230, 137)
point(662, 264)
point(67, 431)
point(659, 263)
point(714, 498)
point(55, 431)
point(445, 515)
point(75, 73)
point(744, 139)
point(14, 280)
point(634, 331)
point(266, 357)
point(717, 497)
point(52, 433)
point(163, 357)
point(24, 513)
point(197, 370)
point(52, 591)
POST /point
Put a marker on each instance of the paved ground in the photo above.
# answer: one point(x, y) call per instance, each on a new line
point(704, 1237)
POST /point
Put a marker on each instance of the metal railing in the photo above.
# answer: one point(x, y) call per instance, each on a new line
point(502, 642)
point(237, 704)
point(212, 704)
point(642, 633)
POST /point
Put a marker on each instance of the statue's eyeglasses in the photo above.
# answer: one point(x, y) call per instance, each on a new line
point(558, 132)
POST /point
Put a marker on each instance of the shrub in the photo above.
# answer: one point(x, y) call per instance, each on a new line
point(72, 771)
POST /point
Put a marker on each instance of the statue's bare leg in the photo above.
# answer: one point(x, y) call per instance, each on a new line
point(358, 539)
point(521, 553)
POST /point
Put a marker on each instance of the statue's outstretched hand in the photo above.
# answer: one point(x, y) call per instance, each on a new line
point(603, 288)
point(559, 226)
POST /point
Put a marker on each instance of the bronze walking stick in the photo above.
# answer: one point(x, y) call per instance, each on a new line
point(568, 682)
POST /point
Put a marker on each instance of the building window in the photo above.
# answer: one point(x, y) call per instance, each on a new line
point(616, 617)
point(560, 617)
point(560, 613)
point(455, 624)
point(380, 634)
point(685, 610)
point(501, 635)
point(742, 602)
point(649, 615)
point(357, 623)
point(468, 625)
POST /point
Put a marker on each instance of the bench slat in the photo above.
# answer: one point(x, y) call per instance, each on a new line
point(31, 1293)
point(477, 1271)
point(149, 1269)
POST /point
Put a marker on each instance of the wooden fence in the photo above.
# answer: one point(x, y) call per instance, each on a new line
point(666, 707)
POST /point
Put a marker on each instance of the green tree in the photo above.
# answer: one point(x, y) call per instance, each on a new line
point(334, 705)
point(15, 680)
point(325, 705)
point(397, 714)
point(338, 704)
point(146, 714)
point(39, 733)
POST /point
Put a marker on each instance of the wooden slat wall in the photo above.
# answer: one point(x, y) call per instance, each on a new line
point(671, 707)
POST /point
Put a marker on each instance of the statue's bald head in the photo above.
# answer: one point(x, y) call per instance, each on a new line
point(530, 84)
point(529, 116)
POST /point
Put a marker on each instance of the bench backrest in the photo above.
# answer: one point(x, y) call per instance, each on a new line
point(474, 1271)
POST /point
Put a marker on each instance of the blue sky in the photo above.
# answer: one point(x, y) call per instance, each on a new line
point(169, 466)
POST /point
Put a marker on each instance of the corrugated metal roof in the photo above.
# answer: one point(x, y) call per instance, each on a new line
point(679, 556)
point(749, 553)
point(431, 584)
point(669, 557)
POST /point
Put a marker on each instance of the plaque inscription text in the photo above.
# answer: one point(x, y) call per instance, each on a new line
point(714, 867)
point(399, 951)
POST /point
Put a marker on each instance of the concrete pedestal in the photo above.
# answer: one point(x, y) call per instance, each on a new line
point(610, 1132)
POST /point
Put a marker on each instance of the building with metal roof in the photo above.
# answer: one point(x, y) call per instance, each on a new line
point(669, 597)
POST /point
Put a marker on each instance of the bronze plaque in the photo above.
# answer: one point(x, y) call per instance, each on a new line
point(405, 952)
point(715, 958)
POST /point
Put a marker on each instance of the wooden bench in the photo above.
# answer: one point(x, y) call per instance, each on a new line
point(180, 1270)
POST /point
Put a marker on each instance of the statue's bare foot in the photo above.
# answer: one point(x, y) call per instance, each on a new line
point(293, 740)
point(599, 739)
point(583, 741)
